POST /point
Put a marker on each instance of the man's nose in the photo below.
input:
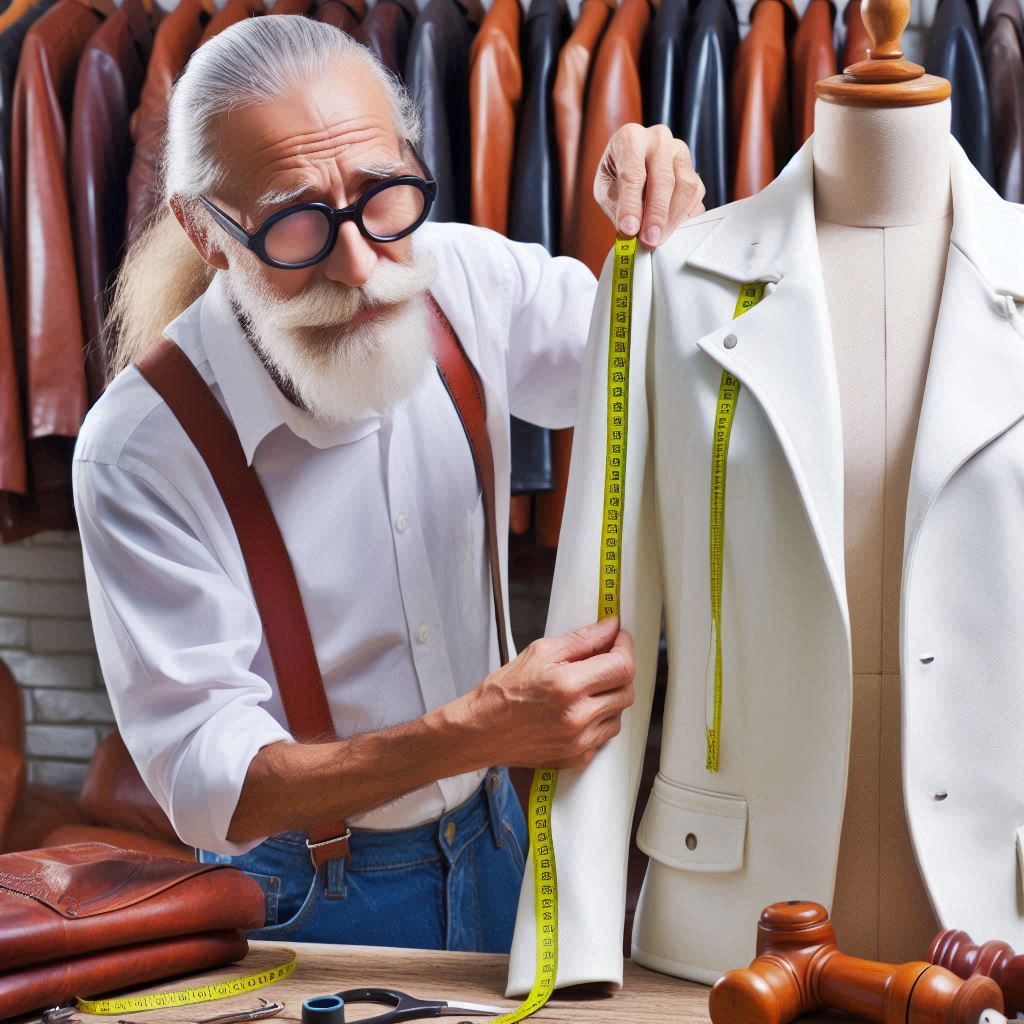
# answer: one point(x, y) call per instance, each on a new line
point(352, 260)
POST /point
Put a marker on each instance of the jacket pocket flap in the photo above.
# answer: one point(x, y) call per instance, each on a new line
point(693, 829)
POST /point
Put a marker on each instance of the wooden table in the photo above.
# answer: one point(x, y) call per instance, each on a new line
point(646, 997)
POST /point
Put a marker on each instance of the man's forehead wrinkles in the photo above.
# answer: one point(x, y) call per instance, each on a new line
point(338, 137)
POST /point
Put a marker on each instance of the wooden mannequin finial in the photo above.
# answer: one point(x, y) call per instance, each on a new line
point(800, 970)
point(885, 79)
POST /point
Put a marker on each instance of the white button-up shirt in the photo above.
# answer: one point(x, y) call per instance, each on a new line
point(383, 521)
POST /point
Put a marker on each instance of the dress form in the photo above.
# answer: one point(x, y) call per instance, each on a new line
point(883, 211)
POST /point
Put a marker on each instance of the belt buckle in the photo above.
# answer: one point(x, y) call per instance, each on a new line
point(325, 842)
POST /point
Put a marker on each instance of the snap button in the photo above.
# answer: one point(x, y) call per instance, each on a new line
point(729, 341)
point(402, 523)
point(449, 832)
point(927, 659)
point(423, 634)
point(691, 842)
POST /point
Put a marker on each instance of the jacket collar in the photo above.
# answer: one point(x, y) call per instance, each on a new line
point(784, 356)
point(254, 402)
point(763, 237)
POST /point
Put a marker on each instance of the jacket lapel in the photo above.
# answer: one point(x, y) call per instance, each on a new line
point(975, 386)
point(783, 351)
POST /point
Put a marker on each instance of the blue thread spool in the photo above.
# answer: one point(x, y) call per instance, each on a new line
point(323, 1010)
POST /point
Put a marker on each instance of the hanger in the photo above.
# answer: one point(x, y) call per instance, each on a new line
point(885, 79)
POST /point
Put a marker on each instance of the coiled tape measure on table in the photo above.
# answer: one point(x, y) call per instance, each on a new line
point(186, 996)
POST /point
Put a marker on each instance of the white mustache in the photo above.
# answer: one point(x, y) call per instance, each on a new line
point(330, 304)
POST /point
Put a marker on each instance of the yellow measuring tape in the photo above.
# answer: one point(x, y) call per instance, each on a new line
point(542, 792)
point(728, 393)
point(186, 996)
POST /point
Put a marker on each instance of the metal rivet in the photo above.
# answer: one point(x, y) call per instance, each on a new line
point(927, 659)
point(449, 832)
point(941, 795)
point(691, 842)
point(729, 341)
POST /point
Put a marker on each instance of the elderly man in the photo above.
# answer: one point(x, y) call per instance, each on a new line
point(307, 299)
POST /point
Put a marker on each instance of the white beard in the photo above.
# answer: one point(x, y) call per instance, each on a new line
point(340, 372)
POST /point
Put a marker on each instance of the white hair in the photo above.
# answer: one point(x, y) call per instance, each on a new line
point(255, 61)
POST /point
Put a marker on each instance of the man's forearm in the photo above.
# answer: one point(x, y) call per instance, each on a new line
point(304, 785)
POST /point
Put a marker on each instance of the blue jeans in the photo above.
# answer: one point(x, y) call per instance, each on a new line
point(452, 883)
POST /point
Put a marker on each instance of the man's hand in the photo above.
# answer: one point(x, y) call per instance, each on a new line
point(559, 702)
point(553, 707)
point(646, 183)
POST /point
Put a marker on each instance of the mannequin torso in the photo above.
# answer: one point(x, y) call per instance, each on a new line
point(883, 216)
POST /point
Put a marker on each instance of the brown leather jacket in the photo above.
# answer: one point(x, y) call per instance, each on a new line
point(614, 98)
point(857, 42)
point(110, 76)
point(386, 30)
point(814, 58)
point(343, 15)
point(231, 13)
point(1002, 43)
point(569, 98)
point(495, 89)
point(760, 123)
point(176, 38)
point(46, 312)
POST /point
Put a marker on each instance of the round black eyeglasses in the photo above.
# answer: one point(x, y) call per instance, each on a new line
point(302, 235)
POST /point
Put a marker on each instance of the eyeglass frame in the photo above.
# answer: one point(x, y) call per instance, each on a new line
point(256, 241)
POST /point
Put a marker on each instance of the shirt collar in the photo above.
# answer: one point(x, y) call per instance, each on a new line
point(254, 402)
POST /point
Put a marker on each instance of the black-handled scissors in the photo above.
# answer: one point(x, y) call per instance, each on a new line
point(406, 1007)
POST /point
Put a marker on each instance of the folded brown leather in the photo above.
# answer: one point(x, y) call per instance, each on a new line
point(88, 917)
point(35, 988)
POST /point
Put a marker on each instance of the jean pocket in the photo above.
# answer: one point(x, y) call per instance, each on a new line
point(289, 918)
point(271, 887)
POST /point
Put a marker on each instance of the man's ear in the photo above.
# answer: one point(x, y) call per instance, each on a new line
point(198, 235)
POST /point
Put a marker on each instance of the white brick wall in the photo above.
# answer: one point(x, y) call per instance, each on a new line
point(46, 640)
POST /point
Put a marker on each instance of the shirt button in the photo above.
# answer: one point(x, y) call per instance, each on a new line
point(729, 341)
point(449, 832)
point(423, 634)
point(402, 523)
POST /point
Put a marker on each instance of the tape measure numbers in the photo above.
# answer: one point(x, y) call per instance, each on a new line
point(728, 394)
point(187, 996)
point(542, 791)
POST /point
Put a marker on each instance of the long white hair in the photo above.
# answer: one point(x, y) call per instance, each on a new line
point(254, 61)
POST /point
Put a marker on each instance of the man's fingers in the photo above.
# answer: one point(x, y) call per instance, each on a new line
point(600, 673)
point(584, 642)
point(619, 186)
point(660, 188)
point(688, 193)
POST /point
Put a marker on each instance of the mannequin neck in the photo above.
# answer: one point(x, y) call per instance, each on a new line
point(881, 167)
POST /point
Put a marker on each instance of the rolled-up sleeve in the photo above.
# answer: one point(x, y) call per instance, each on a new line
point(550, 306)
point(176, 638)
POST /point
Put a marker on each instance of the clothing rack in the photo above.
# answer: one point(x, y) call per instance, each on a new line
point(517, 154)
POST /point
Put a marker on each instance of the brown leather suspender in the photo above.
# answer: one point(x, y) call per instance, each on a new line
point(171, 373)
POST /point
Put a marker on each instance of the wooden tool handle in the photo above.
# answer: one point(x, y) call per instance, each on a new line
point(799, 969)
point(957, 952)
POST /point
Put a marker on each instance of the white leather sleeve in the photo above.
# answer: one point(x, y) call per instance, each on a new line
point(593, 808)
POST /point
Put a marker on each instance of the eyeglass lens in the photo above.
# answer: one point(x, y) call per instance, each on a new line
point(302, 235)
